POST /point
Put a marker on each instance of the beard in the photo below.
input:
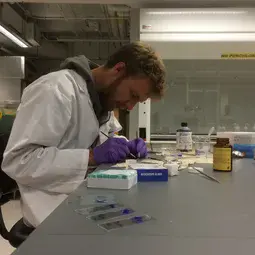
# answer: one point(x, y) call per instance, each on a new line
point(106, 102)
point(107, 96)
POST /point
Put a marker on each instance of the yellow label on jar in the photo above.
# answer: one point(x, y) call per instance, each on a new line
point(222, 159)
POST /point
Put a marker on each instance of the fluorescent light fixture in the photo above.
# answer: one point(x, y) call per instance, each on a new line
point(194, 12)
point(198, 37)
point(13, 37)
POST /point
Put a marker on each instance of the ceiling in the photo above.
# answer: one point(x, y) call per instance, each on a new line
point(70, 23)
point(65, 30)
point(208, 73)
point(148, 3)
point(78, 22)
point(63, 26)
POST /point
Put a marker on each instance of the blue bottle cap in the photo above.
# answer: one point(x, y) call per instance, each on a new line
point(126, 211)
point(138, 219)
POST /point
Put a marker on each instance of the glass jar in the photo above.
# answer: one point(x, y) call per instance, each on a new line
point(222, 155)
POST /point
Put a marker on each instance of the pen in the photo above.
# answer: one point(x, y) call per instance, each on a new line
point(131, 154)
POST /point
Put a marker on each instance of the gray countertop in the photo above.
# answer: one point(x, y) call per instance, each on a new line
point(193, 215)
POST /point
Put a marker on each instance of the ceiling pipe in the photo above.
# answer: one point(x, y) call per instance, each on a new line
point(77, 18)
point(92, 40)
point(106, 14)
point(87, 40)
point(27, 14)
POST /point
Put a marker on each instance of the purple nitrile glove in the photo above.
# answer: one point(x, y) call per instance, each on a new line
point(111, 151)
point(138, 148)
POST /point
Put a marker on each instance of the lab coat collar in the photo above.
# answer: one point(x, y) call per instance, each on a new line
point(82, 66)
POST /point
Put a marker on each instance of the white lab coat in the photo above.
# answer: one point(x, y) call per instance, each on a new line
point(47, 153)
point(110, 128)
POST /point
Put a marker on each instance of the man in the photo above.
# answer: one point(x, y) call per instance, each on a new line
point(56, 134)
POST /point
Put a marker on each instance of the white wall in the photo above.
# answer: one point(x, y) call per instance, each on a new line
point(206, 93)
point(204, 90)
point(200, 50)
point(11, 73)
point(10, 89)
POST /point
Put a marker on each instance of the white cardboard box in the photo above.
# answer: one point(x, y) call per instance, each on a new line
point(112, 179)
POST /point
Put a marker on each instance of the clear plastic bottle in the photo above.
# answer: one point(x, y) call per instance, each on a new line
point(221, 128)
point(236, 127)
point(246, 127)
point(184, 138)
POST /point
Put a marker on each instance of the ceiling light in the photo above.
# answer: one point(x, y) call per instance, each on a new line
point(13, 37)
point(194, 12)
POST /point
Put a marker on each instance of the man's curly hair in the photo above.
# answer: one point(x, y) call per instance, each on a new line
point(141, 60)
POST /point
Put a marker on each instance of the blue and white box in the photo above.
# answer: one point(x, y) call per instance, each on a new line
point(150, 172)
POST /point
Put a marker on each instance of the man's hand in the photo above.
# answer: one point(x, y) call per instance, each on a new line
point(138, 148)
point(111, 151)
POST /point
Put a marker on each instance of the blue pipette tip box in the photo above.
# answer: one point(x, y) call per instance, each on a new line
point(150, 173)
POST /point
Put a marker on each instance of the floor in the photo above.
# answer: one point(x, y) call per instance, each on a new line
point(11, 214)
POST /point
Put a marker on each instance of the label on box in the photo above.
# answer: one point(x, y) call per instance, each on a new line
point(152, 175)
point(150, 172)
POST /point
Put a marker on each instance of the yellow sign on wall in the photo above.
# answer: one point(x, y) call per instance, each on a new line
point(238, 55)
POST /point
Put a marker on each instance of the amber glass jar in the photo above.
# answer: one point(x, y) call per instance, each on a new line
point(222, 155)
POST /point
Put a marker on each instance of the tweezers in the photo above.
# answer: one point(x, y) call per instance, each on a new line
point(206, 175)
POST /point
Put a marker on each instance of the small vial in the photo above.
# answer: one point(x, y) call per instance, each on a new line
point(236, 127)
point(246, 127)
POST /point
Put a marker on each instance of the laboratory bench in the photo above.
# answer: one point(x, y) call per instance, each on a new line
point(191, 215)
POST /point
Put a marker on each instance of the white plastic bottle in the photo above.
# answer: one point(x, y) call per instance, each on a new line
point(236, 127)
point(246, 127)
point(184, 138)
